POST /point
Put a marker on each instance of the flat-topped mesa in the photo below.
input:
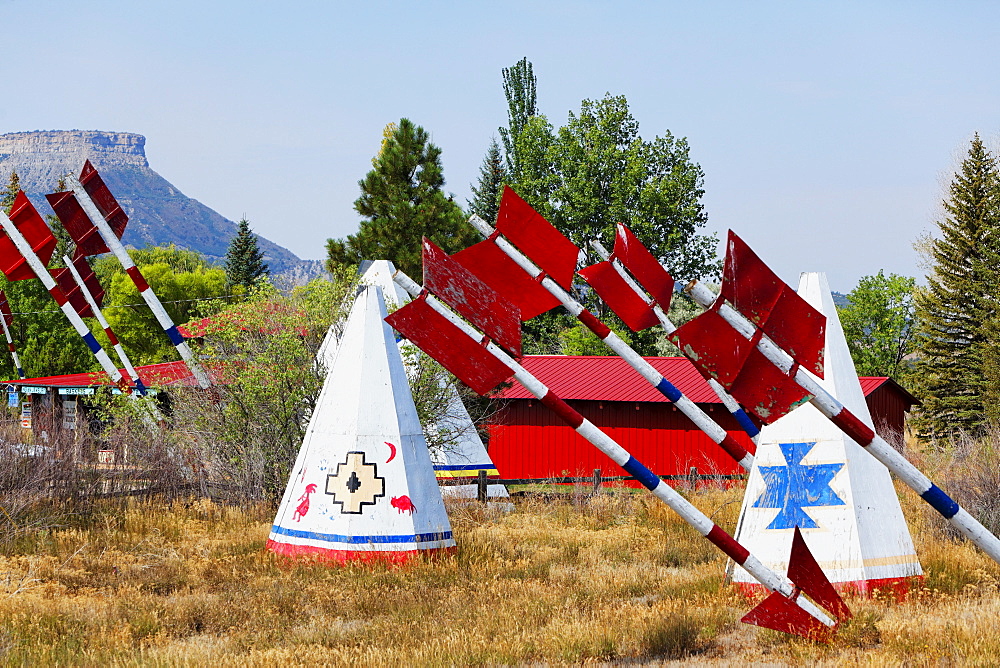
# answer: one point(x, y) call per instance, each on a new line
point(158, 212)
point(72, 147)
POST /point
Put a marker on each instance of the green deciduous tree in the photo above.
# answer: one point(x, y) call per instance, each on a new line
point(519, 87)
point(186, 284)
point(878, 324)
point(597, 171)
point(402, 200)
point(960, 300)
point(245, 264)
point(486, 194)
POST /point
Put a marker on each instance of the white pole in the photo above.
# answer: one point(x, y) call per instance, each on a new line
point(10, 346)
point(126, 362)
point(116, 247)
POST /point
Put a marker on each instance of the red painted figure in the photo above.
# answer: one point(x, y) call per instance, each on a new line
point(403, 504)
point(303, 507)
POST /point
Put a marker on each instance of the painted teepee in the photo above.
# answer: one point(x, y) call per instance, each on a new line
point(807, 473)
point(464, 455)
point(363, 486)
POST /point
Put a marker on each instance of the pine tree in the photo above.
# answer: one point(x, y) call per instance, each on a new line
point(10, 192)
point(960, 300)
point(402, 201)
point(486, 197)
point(244, 260)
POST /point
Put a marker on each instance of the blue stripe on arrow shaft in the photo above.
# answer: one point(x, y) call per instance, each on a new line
point(940, 501)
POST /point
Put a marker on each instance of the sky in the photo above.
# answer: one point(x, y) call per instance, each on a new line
point(828, 132)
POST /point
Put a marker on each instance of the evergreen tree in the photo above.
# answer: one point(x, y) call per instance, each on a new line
point(960, 300)
point(402, 201)
point(486, 197)
point(244, 260)
point(10, 192)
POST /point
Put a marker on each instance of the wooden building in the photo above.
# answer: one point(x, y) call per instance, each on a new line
point(528, 441)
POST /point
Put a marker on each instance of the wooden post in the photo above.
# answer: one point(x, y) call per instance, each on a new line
point(483, 487)
point(693, 477)
point(597, 480)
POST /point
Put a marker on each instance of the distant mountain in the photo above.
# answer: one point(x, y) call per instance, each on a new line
point(840, 300)
point(158, 212)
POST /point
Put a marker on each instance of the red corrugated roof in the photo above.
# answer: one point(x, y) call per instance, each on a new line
point(611, 379)
point(152, 375)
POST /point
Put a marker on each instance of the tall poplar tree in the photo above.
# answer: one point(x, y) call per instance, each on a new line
point(960, 300)
point(485, 200)
point(402, 201)
point(519, 87)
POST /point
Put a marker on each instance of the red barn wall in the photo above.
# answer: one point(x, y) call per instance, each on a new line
point(528, 441)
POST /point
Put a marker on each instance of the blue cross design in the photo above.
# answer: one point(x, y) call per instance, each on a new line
point(791, 487)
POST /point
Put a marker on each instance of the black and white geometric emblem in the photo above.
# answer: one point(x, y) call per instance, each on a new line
point(355, 484)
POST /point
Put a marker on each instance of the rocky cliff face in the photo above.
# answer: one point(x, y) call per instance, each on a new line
point(158, 212)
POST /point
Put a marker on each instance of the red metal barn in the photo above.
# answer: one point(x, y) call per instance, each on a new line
point(528, 441)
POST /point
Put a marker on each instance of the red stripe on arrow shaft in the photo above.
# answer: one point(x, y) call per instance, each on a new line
point(111, 336)
point(728, 544)
point(853, 427)
point(562, 409)
point(137, 278)
point(733, 449)
point(593, 324)
point(58, 295)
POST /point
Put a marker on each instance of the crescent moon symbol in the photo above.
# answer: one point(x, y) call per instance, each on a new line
point(393, 449)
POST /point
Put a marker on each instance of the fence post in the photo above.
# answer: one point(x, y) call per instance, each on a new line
point(482, 486)
point(597, 480)
point(693, 477)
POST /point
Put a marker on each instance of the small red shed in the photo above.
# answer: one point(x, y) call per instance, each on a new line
point(528, 441)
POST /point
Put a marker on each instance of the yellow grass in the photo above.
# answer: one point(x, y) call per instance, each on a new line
point(615, 578)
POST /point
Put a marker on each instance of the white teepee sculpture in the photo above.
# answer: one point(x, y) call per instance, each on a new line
point(807, 473)
point(363, 486)
point(464, 455)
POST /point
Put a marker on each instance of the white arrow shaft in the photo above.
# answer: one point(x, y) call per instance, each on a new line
point(116, 247)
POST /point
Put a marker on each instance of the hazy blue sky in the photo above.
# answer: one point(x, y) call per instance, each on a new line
point(827, 131)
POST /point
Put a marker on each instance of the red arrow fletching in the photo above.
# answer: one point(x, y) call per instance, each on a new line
point(619, 296)
point(779, 613)
point(787, 319)
point(105, 201)
point(534, 236)
point(488, 262)
point(782, 614)
point(35, 232)
point(430, 331)
point(478, 303)
point(646, 269)
point(810, 578)
point(79, 226)
point(72, 291)
point(719, 352)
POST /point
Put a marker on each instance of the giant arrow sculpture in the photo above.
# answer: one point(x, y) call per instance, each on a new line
point(482, 359)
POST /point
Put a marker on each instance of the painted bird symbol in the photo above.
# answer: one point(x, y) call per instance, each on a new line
point(403, 504)
point(303, 506)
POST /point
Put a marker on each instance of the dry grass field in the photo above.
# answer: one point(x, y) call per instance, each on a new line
point(610, 579)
